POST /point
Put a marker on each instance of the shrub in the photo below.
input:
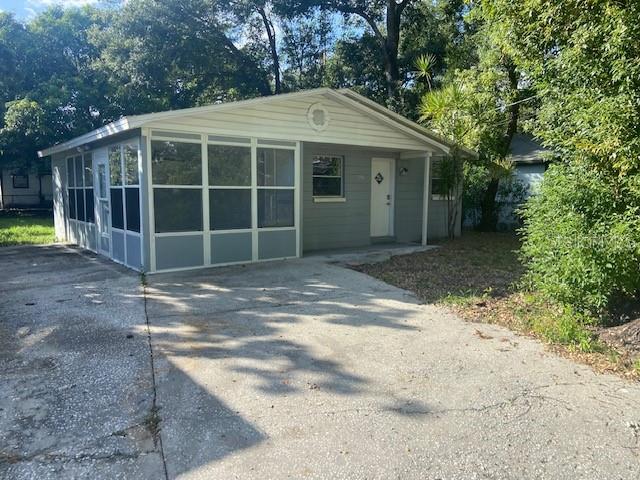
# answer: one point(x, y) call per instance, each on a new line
point(581, 237)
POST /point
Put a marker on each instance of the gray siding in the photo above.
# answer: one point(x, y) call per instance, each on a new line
point(343, 224)
point(409, 199)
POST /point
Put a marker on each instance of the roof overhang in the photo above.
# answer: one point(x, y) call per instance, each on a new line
point(345, 96)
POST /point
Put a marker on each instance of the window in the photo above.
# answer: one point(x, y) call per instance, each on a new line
point(115, 166)
point(132, 176)
point(176, 163)
point(328, 174)
point(275, 167)
point(230, 209)
point(20, 181)
point(275, 208)
point(177, 209)
point(438, 187)
point(276, 173)
point(124, 189)
point(229, 165)
point(230, 177)
point(80, 188)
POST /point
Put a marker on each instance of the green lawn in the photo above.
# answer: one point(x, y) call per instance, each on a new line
point(26, 228)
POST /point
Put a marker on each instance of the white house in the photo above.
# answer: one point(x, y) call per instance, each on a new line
point(247, 181)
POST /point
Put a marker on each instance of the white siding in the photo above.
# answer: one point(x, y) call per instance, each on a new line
point(287, 120)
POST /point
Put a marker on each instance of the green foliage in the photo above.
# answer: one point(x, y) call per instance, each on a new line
point(582, 237)
point(22, 228)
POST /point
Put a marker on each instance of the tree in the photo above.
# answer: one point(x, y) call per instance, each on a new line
point(581, 233)
point(383, 18)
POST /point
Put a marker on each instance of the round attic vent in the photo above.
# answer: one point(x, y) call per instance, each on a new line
point(318, 117)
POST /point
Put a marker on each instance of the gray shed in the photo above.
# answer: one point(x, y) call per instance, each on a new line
point(254, 180)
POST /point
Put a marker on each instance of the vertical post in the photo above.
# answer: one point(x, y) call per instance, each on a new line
point(206, 227)
point(426, 194)
point(297, 192)
point(150, 203)
point(254, 199)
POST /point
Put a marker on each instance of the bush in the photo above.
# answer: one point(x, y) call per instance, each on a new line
point(582, 237)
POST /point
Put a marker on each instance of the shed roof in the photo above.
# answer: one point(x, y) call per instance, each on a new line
point(347, 97)
point(525, 149)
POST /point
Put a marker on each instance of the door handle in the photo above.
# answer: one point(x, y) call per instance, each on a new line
point(388, 197)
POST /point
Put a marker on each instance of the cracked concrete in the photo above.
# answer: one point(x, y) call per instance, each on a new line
point(304, 369)
point(74, 368)
point(298, 369)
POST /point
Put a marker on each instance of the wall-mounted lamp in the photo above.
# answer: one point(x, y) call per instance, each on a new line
point(403, 171)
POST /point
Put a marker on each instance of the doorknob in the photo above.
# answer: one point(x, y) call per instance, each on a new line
point(388, 197)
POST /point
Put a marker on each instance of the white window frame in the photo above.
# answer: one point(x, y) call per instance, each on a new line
point(205, 139)
point(329, 198)
point(434, 175)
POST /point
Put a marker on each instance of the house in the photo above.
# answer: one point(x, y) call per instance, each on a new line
point(530, 161)
point(267, 178)
point(24, 189)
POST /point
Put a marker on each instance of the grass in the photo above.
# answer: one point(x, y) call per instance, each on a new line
point(26, 228)
point(478, 276)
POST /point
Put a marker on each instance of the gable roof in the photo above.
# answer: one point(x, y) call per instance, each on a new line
point(346, 97)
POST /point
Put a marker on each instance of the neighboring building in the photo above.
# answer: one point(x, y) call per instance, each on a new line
point(25, 190)
point(247, 181)
point(530, 161)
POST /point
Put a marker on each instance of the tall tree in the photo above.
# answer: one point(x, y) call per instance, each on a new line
point(382, 17)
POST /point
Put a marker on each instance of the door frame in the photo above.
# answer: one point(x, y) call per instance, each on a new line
point(98, 205)
point(392, 200)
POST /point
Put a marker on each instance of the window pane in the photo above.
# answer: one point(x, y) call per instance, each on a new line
point(229, 166)
point(275, 208)
point(70, 173)
point(20, 181)
point(230, 209)
point(327, 186)
point(275, 167)
point(177, 210)
point(176, 163)
point(102, 179)
point(72, 204)
point(88, 171)
point(131, 164)
point(438, 187)
point(115, 165)
point(89, 205)
point(79, 172)
point(327, 165)
point(132, 202)
point(80, 204)
point(117, 212)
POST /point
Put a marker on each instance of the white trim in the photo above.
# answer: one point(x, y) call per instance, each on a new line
point(151, 205)
point(191, 233)
point(118, 126)
point(167, 138)
point(194, 187)
point(426, 187)
point(297, 165)
point(206, 240)
point(326, 199)
point(254, 199)
point(218, 265)
point(227, 187)
point(346, 97)
point(276, 229)
point(228, 231)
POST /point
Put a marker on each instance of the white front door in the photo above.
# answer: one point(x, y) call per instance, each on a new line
point(103, 210)
point(382, 183)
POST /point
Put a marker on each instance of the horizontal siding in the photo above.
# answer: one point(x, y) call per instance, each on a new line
point(287, 119)
point(344, 224)
point(409, 198)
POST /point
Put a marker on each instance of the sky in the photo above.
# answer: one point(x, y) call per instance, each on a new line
point(26, 9)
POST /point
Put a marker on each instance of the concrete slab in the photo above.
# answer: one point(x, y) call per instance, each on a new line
point(304, 369)
point(370, 254)
point(75, 377)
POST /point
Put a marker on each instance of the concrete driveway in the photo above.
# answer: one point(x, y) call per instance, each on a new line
point(299, 369)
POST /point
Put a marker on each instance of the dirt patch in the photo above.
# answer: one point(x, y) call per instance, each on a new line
point(477, 276)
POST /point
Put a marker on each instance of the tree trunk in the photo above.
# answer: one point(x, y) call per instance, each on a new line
point(488, 211)
point(271, 34)
point(390, 48)
point(488, 205)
